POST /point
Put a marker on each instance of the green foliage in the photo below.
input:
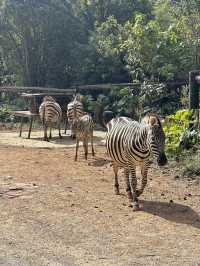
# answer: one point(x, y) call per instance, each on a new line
point(158, 98)
point(59, 43)
point(5, 114)
point(179, 136)
point(184, 97)
point(88, 103)
point(121, 102)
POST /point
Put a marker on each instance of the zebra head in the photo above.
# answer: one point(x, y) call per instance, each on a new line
point(156, 139)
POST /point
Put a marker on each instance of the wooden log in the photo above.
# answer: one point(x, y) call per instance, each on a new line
point(34, 89)
point(108, 86)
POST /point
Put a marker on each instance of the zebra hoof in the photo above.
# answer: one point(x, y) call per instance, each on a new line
point(138, 193)
point(130, 197)
point(136, 206)
point(117, 192)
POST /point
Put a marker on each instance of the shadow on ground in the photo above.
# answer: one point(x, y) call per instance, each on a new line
point(173, 212)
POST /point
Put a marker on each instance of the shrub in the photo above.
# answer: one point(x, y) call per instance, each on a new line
point(180, 135)
point(5, 114)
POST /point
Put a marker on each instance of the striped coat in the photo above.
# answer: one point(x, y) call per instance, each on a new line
point(50, 114)
point(130, 144)
point(74, 111)
point(83, 128)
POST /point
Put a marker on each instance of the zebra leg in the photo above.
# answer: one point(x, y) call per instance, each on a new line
point(93, 153)
point(45, 133)
point(144, 171)
point(85, 144)
point(77, 146)
point(71, 130)
point(134, 186)
point(115, 169)
point(59, 131)
point(73, 135)
point(128, 187)
point(50, 133)
point(65, 132)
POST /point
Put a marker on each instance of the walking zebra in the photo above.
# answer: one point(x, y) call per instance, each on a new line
point(83, 128)
point(50, 114)
point(74, 111)
point(129, 144)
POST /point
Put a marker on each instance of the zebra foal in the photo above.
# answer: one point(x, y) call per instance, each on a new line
point(74, 112)
point(130, 144)
point(50, 114)
point(83, 128)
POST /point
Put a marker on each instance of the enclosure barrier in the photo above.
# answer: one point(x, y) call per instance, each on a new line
point(194, 87)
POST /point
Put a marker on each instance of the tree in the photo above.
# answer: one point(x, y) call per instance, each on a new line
point(38, 38)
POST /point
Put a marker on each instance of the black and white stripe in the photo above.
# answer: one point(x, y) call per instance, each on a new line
point(83, 128)
point(74, 111)
point(50, 114)
point(129, 144)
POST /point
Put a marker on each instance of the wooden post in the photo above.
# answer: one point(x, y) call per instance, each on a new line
point(21, 124)
point(30, 127)
point(194, 89)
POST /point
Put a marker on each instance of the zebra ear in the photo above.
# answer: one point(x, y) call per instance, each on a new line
point(153, 121)
point(163, 120)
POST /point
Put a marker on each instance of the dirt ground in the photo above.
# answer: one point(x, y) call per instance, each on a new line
point(54, 211)
point(12, 138)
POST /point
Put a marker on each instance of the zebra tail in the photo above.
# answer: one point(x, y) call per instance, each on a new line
point(43, 115)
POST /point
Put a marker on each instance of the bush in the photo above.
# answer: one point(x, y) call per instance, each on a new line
point(5, 114)
point(180, 135)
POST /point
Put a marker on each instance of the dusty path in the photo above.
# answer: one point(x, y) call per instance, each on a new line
point(54, 211)
point(12, 138)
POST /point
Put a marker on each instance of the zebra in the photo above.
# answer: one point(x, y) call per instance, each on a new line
point(50, 113)
point(109, 119)
point(129, 144)
point(74, 111)
point(83, 128)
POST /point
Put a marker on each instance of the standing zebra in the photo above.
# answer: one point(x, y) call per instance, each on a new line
point(129, 144)
point(50, 114)
point(74, 111)
point(83, 128)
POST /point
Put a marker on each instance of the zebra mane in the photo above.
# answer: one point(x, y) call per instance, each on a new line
point(48, 99)
point(77, 97)
point(150, 116)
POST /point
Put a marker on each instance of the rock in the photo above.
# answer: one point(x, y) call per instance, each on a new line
point(171, 201)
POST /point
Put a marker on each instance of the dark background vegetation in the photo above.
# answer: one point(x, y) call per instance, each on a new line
point(61, 43)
